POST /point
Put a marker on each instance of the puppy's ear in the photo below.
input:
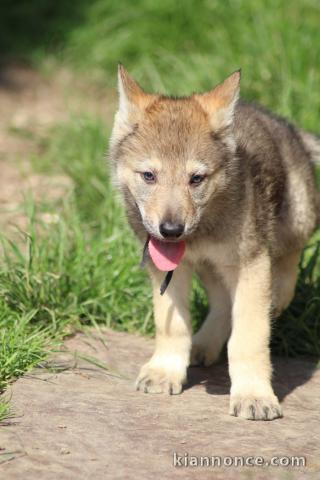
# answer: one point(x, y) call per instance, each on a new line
point(220, 102)
point(132, 98)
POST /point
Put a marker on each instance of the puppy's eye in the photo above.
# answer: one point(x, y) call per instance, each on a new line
point(149, 177)
point(196, 179)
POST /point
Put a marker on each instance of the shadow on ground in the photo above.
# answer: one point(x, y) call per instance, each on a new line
point(288, 374)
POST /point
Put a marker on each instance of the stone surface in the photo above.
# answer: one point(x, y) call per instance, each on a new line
point(87, 422)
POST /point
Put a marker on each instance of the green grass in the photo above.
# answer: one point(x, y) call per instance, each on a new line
point(179, 46)
point(5, 409)
point(22, 343)
point(185, 45)
point(84, 269)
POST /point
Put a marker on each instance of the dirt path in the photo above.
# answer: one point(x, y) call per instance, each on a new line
point(84, 423)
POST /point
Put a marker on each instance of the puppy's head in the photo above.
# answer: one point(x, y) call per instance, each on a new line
point(172, 156)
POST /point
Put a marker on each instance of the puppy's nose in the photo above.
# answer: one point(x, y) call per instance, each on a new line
point(171, 230)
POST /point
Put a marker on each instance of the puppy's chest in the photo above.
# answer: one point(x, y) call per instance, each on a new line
point(220, 255)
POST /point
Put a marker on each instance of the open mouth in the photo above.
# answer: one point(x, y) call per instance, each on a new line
point(166, 255)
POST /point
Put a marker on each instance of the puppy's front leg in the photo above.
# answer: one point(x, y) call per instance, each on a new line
point(252, 396)
point(166, 371)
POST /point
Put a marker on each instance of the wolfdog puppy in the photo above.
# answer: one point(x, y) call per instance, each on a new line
point(227, 190)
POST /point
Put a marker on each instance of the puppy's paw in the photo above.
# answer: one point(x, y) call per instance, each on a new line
point(255, 408)
point(156, 379)
point(203, 352)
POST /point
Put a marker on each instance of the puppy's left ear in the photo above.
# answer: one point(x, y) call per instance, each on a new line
point(132, 98)
point(220, 102)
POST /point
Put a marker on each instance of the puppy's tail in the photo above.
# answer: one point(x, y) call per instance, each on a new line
point(312, 144)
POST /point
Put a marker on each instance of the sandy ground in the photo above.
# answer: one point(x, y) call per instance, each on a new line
point(89, 423)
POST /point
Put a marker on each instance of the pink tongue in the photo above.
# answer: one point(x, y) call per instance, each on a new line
point(166, 256)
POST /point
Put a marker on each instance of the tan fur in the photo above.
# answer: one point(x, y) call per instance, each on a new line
point(167, 369)
point(244, 227)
